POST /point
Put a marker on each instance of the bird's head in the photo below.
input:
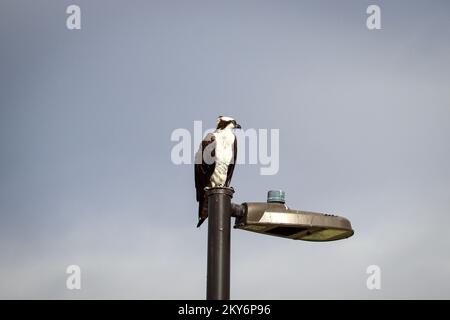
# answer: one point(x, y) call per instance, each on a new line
point(227, 123)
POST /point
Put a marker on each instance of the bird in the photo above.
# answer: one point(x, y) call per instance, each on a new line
point(215, 161)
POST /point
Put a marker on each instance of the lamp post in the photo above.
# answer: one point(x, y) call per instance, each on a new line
point(273, 218)
point(218, 272)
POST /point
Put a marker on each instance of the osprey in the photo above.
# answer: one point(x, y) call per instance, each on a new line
point(214, 162)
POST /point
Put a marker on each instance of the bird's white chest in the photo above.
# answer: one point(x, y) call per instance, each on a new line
point(223, 155)
point(224, 146)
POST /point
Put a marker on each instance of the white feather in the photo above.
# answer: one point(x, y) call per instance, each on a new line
point(224, 156)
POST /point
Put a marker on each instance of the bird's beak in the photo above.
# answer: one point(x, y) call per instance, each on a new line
point(238, 126)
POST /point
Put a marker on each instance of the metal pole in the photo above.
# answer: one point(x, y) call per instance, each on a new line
point(219, 216)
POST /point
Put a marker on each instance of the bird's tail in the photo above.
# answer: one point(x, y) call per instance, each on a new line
point(200, 222)
point(202, 212)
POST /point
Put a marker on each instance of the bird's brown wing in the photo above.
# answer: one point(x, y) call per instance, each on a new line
point(204, 168)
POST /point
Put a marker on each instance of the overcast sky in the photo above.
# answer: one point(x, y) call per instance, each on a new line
point(86, 117)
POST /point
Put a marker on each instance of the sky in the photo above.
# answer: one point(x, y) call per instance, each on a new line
point(86, 118)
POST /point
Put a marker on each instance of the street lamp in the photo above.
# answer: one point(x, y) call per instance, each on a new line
point(276, 219)
point(273, 218)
